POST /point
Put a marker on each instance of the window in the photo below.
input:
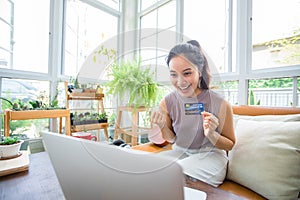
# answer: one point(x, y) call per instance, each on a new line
point(207, 22)
point(26, 91)
point(275, 33)
point(228, 90)
point(144, 4)
point(275, 53)
point(271, 92)
point(24, 41)
point(111, 3)
point(86, 28)
point(297, 98)
point(247, 42)
point(158, 36)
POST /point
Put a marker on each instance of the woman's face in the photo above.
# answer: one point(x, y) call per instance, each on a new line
point(184, 76)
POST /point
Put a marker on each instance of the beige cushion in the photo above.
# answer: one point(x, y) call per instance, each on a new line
point(266, 158)
point(283, 118)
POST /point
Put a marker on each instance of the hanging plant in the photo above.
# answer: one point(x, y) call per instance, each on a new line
point(129, 78)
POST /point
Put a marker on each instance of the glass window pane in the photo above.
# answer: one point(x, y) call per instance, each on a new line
point(147, 3)
point(25, 91)
point(275, 33)
point(233, 56)
point(227, 89)
point(86, 28)
point(298, 92)
point(111, 3)
point(167, 18)
point(271, 92)
point(4, 59)
point(149, 20)
point(148, 55)
point(5, 36)
point(158, 37)
point(31, 32)
point(5, 10)
point(205, 21)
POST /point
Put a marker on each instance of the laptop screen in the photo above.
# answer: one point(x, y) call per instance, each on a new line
point(93, 170)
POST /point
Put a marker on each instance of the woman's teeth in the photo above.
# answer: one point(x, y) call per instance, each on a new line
point(183, 88)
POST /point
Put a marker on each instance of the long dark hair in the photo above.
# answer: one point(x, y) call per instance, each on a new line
point(193, 52)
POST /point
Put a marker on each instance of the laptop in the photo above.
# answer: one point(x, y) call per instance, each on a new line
point(96, 170)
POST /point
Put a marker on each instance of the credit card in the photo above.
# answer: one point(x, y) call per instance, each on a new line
point(193, 108)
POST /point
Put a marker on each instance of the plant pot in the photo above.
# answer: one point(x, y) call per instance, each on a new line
point(91, 121)
point(10, 150)
point(102, 121)
point(84, 122)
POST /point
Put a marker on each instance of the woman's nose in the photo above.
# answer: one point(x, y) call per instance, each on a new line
point(181, 80)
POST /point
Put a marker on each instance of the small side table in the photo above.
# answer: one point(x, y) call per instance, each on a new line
point(134, 130)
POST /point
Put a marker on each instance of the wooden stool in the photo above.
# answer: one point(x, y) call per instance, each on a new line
point(134, 130)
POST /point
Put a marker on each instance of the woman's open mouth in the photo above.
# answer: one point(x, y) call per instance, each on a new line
point(184, 89)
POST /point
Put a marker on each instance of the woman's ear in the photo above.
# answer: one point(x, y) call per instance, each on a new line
point(200, 74)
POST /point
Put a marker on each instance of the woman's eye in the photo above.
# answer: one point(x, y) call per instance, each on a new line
point(173, 75)
point(187, 73)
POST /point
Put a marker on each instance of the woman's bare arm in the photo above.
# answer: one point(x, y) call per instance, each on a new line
point(227, 139)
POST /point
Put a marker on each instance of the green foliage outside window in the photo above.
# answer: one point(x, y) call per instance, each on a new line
point(291, 45)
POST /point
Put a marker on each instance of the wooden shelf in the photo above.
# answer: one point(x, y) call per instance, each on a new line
point(87, 96)
point(84, 96)
point(37, 114)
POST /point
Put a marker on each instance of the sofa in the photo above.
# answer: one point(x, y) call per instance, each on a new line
point(265, 161)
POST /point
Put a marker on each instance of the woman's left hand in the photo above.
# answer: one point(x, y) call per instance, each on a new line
point(210, 123)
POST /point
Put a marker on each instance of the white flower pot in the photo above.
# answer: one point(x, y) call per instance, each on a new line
point(10, 150)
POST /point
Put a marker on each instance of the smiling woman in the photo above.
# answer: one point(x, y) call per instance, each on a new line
point(202, 136)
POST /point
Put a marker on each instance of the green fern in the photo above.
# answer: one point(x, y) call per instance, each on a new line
point(129, 76)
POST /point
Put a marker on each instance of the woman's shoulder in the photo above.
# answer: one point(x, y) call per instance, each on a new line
point(170, 96)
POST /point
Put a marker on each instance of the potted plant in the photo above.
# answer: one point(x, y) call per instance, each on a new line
point(129, 78)
point(10, 147)
point(75, 87)
point(102, 117)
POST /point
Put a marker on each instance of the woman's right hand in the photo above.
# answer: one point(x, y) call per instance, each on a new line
point(158, 118)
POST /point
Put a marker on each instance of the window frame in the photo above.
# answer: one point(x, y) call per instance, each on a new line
point(243, 48)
